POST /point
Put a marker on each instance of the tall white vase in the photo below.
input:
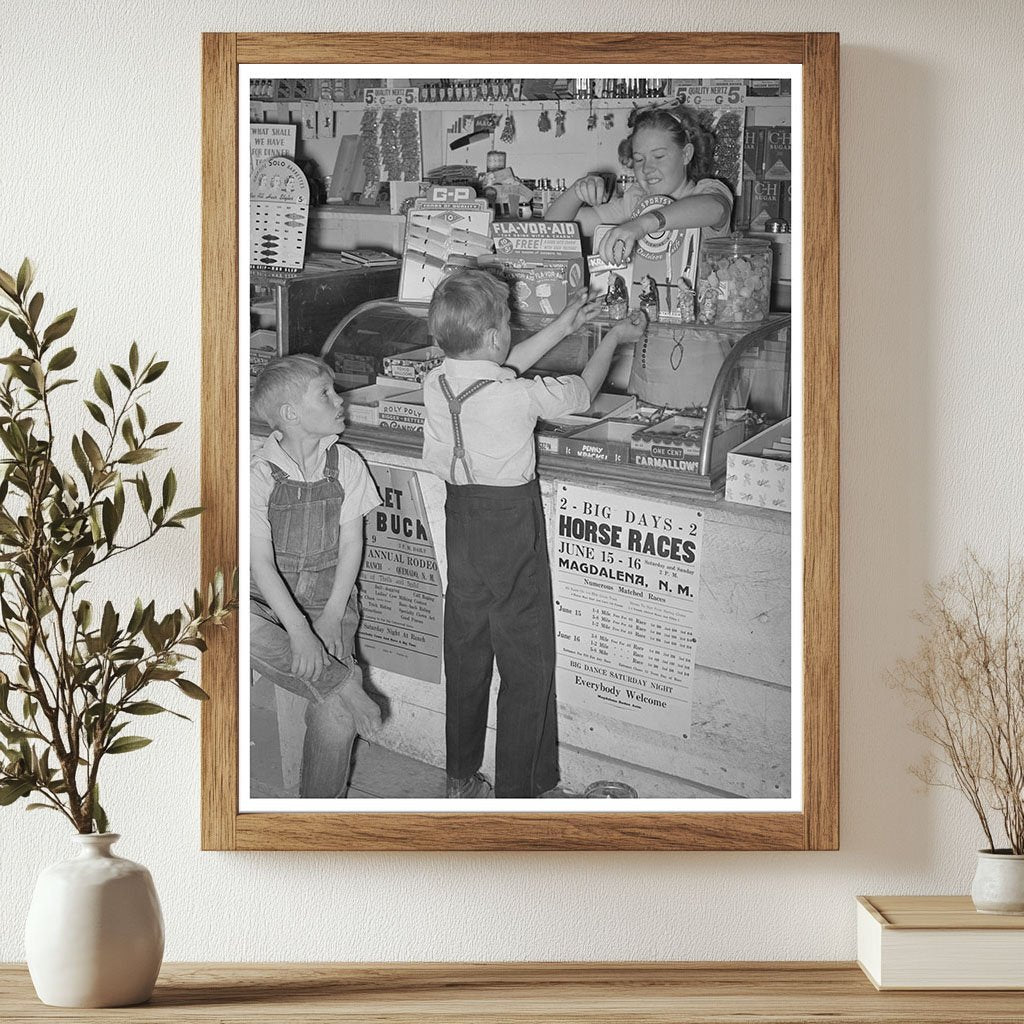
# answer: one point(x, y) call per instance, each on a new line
point(95, 933)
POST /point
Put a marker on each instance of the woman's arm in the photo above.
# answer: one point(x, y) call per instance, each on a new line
point(706, 210)
point(577, 203)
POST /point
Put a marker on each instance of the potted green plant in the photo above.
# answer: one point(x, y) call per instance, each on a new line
point(966, 681)
point(75, 671)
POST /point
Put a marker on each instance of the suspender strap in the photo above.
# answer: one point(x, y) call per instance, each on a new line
point(455, 403)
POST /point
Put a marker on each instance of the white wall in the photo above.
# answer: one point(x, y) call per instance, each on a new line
point(101, 184)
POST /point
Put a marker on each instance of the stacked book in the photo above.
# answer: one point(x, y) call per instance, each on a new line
point(938, 942)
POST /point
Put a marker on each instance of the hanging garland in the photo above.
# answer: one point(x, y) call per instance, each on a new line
point(371, 152)
point(409, 144)
point(389, 154)
point(729, 147)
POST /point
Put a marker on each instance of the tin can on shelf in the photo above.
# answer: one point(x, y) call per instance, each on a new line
point(739, 271)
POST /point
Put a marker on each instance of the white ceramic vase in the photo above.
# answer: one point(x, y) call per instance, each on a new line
point(999, 883)
point(95, 934)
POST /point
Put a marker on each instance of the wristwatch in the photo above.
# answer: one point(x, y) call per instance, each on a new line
point(660, 218)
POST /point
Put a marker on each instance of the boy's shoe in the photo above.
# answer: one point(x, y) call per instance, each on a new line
point(476, 787)
point(558, 793)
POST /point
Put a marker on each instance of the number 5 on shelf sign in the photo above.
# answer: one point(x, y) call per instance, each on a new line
point(392, 97)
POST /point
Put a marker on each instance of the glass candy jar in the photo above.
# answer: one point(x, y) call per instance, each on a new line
point(740, 272)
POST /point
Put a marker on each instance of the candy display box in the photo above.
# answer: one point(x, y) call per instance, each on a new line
point(759, 469)
point(413, 366)
point(362, 405)
point(608, 441)
point(551, 434)
point(674, 443)
point(403, 411)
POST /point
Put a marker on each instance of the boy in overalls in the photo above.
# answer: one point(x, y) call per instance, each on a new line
point(478, 437)
point(308, 496)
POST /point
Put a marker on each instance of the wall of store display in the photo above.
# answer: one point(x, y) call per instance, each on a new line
point(556, 131)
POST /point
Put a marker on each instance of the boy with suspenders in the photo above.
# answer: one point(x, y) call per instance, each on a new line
point(478, 437)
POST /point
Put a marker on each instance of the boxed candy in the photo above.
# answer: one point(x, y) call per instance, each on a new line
point(674, 444)
point(413, 366)
point(608, 441)
point(552, 434)
point(403, 411)
point(362, 405)
point(759, 470)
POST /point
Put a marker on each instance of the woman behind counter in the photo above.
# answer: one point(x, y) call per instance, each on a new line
point(671, 155)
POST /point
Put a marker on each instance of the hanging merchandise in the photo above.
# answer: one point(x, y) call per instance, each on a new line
point(559, 121)
point(543, 122)
point(508, 131)
point(591, 117)
point(609, 121)
point(371, 150)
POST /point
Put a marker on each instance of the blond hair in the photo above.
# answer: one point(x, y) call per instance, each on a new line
point(285, 380)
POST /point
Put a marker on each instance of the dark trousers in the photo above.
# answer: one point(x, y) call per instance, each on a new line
point(498, 607)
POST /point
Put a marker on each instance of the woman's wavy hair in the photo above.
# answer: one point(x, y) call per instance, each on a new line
point(684, 125)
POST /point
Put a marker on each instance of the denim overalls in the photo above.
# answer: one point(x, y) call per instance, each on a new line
point(305, 526)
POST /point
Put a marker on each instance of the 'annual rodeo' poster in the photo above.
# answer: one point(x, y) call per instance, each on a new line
point(625, 575)
point(400, 583)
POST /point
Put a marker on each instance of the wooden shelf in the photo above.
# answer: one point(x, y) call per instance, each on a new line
point(630, 993)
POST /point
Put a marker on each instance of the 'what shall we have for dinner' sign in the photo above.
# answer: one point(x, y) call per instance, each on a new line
point(625, 574)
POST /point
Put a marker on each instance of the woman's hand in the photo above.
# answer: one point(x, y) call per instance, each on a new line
point(591, 190)
point(619, 242)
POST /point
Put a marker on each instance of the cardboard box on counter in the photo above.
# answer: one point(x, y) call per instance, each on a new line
point(759, 470)
point(674, 443)
point(362, 405)
point(552, 434)
point(609, 441)
point(403, 412)
point(413, 366)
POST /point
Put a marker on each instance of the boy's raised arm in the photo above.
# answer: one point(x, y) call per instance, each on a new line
point(580, 309)
point(625, 332)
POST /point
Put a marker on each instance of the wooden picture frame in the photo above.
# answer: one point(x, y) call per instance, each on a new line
point(816, 825)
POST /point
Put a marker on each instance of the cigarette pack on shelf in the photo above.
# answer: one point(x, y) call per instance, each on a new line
point(413, 366)
point(541, 260)
point(759, 469)
point(262, 348)
point(552, 434)
point(674, 443)
point(451, 225)
point(403, 411)
point(362, 405)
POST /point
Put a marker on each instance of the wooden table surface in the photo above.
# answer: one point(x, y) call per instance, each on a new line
point(783, 993)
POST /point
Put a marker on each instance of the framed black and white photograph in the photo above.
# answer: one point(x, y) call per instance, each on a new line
point(531, 476)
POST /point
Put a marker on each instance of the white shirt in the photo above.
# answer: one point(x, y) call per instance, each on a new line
point(497, 422)
point(360, 491)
